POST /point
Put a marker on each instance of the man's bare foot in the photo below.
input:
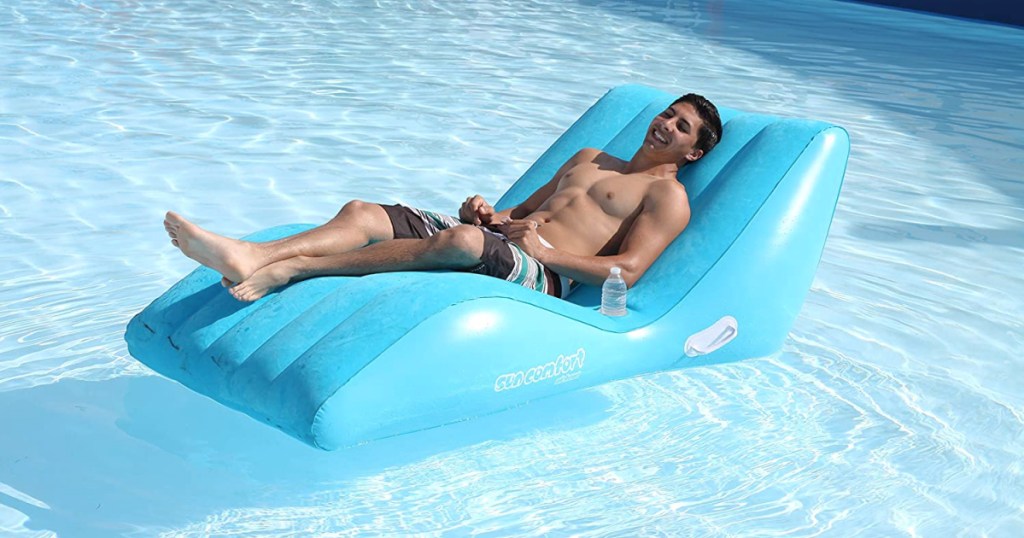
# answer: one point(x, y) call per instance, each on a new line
point(263, 281)
point(233, 259)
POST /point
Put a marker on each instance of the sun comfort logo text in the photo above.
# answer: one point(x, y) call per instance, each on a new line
point(564, 368)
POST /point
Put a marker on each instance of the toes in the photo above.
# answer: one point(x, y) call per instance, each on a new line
point(174, 242)
point(245, 294)
point(177, 219)
point(173, 220)
point(240, 293)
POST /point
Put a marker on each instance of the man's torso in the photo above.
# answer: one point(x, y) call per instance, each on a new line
point(593, 207)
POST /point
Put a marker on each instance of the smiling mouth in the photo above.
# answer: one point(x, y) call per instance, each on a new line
point(659, 137)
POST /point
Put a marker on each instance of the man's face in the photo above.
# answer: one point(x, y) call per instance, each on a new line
point(673, 134)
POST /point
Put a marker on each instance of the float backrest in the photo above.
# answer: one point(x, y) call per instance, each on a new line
point(726, 187)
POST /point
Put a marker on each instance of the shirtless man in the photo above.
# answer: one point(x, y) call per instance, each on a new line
point(597, 212)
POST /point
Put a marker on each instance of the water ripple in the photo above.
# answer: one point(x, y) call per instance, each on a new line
point(895, 406)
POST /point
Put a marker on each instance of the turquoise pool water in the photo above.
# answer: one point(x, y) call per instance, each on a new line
point(895, 407)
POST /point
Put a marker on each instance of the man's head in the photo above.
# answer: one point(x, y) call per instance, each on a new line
point(689, 128)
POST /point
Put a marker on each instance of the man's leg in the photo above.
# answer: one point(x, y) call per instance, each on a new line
point(356, 225)
point(460, 247)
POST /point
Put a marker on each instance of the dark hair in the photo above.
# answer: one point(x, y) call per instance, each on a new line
point(711, 130)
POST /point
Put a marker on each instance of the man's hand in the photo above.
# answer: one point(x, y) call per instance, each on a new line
point(524, 234)
point(475, 210)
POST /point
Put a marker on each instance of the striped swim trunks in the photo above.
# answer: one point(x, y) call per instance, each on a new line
point(501, 258)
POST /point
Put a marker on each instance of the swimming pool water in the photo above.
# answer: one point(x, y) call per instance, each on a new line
point(895, 407)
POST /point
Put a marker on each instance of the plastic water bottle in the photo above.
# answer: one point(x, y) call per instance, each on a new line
point(613, 294)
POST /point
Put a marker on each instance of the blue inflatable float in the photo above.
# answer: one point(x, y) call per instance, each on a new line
point(335, 361)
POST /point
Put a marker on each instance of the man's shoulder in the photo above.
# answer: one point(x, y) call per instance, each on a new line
point(587, 155)
point(598, 158)
point(589, 152)
point(668, 198)
point(666, 187)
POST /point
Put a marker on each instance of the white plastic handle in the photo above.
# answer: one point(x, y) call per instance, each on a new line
point(713, 338)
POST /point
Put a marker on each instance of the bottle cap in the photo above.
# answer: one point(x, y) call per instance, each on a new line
point(616, 271)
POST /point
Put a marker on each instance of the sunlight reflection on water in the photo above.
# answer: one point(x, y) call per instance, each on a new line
point(895, 404)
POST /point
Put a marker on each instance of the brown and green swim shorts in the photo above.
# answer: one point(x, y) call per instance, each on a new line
point(501, 258)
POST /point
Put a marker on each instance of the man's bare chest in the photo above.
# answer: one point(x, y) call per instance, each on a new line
point(618, 195)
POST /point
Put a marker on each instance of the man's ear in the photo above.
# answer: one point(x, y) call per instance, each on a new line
point(694, 155)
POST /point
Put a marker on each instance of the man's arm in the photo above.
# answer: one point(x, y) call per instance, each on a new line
point(665, 213)
point(479, 211)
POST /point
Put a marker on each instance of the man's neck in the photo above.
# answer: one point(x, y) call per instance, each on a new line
point(640, 164)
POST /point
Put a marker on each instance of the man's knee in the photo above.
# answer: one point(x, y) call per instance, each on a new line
point(357, 208)
point(370, 219)
point(463, 240)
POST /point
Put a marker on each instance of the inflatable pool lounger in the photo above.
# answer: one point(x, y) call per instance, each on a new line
point(335, 361)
